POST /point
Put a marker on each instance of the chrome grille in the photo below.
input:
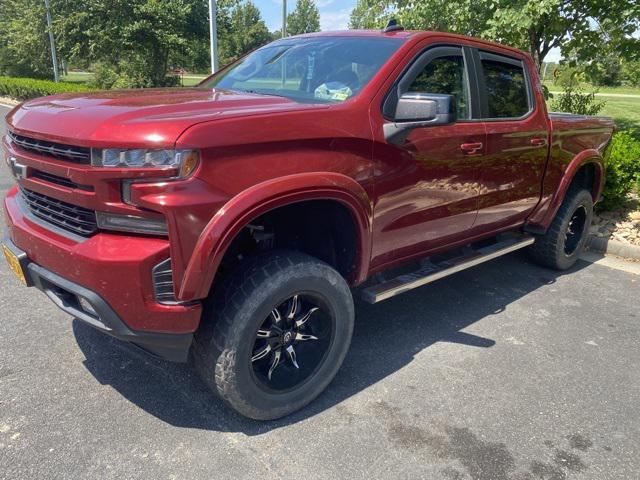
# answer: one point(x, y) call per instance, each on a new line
point(78, 220)
point(54, 150)
point(163, 282)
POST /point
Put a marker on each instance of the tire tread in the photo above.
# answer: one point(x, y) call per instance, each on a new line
point(213, 359)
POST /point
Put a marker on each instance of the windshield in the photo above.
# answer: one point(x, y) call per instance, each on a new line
point(320, 69)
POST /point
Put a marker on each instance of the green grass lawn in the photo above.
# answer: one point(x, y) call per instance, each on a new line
point(77, 77)
point(623, 90)
point(625, 111)
point(191, 80)
point(601, 90)
point(84, 77)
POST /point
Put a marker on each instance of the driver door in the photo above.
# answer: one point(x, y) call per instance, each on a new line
point(426, 190)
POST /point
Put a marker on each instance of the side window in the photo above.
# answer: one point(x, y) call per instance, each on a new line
point(506, 89)
point(445, 75)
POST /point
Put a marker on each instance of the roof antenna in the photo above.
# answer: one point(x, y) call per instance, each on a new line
point(392, 26)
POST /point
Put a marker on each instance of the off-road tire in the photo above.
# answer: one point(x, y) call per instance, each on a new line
point(223, 346)
point(549, 249)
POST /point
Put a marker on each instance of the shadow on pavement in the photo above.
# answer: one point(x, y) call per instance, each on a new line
point(386, 338)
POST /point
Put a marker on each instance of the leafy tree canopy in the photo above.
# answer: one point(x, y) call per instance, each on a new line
point(580, 28)
point(130, 43)
point(304, 19)
point(24, 43)
point(244, 31)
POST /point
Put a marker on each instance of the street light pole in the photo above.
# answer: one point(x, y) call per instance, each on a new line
point(213, 35)
point(54, 57)
point(284, 18)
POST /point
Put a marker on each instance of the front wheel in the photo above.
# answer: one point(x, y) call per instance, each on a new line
point(280, 329)
point(561, 246)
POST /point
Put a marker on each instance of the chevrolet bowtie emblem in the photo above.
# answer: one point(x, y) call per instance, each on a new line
point(19, 170)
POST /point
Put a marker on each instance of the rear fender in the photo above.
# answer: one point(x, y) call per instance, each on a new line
point(266, 196)
point(544, 217)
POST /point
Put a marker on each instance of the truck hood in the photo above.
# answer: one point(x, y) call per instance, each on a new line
point(136, 118)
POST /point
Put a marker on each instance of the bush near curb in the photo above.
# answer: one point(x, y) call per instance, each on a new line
point(622, 170)
point(28, 88)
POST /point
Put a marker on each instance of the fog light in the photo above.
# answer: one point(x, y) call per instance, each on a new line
point(86, 306)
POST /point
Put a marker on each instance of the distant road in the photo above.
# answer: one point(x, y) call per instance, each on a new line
point(621, 95)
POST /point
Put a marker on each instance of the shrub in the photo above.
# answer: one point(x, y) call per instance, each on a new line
point(574, 100)
point(28, 88)
point(104, 76)
point(131, 73)
point(631, 73)
point(605, 72)
point(622, 170)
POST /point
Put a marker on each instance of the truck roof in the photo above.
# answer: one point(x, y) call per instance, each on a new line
point(363, 33)
point(408, 34)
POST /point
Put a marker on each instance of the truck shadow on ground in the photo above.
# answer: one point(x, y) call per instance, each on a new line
point(386, 338)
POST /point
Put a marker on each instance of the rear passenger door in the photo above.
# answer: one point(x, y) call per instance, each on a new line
point(516, 127)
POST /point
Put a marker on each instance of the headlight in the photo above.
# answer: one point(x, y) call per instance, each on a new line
point(184, 160)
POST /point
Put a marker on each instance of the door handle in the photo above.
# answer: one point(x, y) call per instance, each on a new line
point(538, 141)
point(471, 148)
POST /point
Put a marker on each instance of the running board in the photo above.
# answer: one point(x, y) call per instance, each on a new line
point(430, 272)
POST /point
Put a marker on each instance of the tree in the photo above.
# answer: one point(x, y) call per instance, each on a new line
point(137, 37)
point(246, 31)
point(304, 19)
point(604, 71)
point(631, 73)
point(463, 16)
point(579, 28)
point(24, 44)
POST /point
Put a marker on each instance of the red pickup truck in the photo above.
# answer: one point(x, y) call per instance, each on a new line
point(230, 223)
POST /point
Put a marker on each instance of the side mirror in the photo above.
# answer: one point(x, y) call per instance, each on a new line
point(416, 110)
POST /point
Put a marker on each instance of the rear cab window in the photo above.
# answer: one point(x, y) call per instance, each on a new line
point(504, 87)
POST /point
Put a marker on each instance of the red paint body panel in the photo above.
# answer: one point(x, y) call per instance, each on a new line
point(261, 152)
point(515, 162)
point(575, 141)
point(115, 267)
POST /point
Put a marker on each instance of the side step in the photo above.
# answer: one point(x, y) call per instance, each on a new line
point(432, 271)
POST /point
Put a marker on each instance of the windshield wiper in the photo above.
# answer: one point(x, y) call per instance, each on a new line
point(264, 93)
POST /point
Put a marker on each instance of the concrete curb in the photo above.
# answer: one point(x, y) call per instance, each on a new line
point(613, 247)
point(6, 102)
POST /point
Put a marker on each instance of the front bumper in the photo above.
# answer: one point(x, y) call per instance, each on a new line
point(112, 272)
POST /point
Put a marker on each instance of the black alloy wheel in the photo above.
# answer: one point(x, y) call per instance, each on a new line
point(292, 342)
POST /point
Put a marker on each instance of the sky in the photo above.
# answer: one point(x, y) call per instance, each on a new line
point(334, 15)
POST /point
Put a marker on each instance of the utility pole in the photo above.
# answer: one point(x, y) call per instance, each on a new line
point(213, 35)
point(284, 34)
point(284, 18)
point(54, 57)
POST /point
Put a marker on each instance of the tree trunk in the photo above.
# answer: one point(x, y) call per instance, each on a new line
point(534, 48)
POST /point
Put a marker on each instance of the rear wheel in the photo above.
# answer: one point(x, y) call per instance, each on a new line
point(561, 246)
point(279, 330)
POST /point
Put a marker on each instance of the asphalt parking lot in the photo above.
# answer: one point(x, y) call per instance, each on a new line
point(507, 371)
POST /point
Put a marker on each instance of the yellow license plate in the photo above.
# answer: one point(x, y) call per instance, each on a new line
point(14, 264)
